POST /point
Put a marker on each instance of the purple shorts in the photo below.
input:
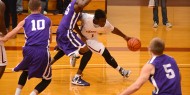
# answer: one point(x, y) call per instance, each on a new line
point(36, 61)
point(69, 42)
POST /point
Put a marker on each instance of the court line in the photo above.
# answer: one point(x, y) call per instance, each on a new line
point(58, 67)
point(114, 48)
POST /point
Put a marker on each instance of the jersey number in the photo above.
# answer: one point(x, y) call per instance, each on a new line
point(40, 25)
point(68, 9)
point(169, 72)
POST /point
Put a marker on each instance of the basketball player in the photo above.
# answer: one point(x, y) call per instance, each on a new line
point(161, 70)
point(91, 25)
point(68, 41)
point(3, 57)
point(36, 55)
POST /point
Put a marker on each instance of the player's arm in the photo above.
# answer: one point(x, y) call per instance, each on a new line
point(76, 28)
point(80, 4)
point(13, 32)
point(119, 33)
point(83, 38)
point(144, 75)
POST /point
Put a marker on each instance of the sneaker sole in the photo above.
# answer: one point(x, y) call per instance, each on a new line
point(79, 84)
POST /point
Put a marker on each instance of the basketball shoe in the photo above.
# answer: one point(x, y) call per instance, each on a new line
point(79, 81)
point(124, 73)
point(73, 59)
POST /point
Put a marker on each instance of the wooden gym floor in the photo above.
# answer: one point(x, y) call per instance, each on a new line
point(134, 21)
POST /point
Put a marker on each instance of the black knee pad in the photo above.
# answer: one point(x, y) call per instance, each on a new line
point(42, 85)
point(59, 54)
point(109, 59)
point(23, 78)
point(84, 60)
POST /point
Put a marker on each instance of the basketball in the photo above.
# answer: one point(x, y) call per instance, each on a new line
point(134, 44)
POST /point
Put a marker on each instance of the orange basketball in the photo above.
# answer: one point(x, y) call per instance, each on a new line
point(134, 44)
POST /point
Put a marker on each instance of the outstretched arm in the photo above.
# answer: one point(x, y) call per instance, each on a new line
point(144, 75)
point(119, 33)
point(13, 32)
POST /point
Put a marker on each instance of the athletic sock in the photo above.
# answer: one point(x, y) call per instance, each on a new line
point(118, 68)
point(33, 93)
point(18, 91)
point(77, 75)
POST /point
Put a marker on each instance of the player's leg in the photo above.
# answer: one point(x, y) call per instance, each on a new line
point(77, 80)
point(40, 69)
point(21, 82)
point(59, 54)
point(111, 61)
point(40, 87)
point(2, 69)
point(3, 59)
point(99, 48)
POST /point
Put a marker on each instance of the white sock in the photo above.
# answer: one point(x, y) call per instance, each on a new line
point(77, 53)
point(33, 93)
point(77, 75)
point(18, 91)
point(118, 68)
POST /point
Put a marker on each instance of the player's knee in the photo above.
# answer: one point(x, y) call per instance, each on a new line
point(59, 54)
point(23, 78)
point(84, 50)
point(89, 53)
point(42, 85)
point(106, 54)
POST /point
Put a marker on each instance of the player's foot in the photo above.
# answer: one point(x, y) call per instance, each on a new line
point(73, 59)
point(155, 25)
point(169, 25)
point(79, 81)
point(124, 73)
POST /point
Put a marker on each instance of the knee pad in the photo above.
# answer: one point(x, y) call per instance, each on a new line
point(42, 85)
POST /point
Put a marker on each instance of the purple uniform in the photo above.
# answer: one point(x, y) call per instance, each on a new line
point(66, 38)
point(36, 55)
point(166, 78)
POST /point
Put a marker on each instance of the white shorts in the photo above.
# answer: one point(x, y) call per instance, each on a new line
point(3, 56)
point(95, 46)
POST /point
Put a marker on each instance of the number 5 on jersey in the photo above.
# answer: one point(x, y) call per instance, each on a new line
point(169, 71)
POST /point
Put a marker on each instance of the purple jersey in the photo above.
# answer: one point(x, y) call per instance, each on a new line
point(68, 41)
point(37, 30)
point(36, 57)
point(70, 17)
point(166, 78)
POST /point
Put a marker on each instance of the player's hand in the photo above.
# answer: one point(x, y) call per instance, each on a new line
point(127, 38)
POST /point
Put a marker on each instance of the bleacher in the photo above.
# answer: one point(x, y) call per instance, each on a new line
point(91, 7)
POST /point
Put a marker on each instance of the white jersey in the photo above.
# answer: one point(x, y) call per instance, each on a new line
point(90, 30)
